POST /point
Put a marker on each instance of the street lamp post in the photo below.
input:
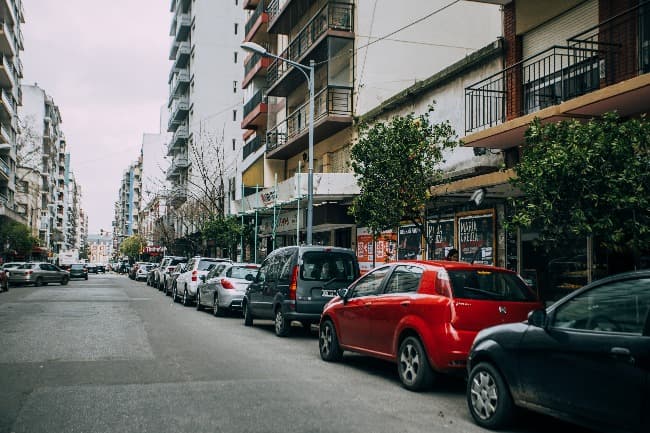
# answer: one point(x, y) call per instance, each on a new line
point(308, 72)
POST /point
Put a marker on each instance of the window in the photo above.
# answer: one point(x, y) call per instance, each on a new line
point(234, 86)
point(404, 279)
point(236, 26)
point(483, 284)
point(235, 56)
point(234, 115)
point(234, 143)
point(370, 284)
point(619, 306)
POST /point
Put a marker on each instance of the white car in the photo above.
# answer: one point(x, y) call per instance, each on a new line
point(188, 281)
point(224, 287)
point(143, 271)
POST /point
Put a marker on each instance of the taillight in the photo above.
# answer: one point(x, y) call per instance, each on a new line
point(443, 284)
point(170, 269)
point(29, 272)
point(226, 284)
point(293, 286)
point(194, 278)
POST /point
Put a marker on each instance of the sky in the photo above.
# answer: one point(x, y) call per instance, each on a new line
point(105, 64)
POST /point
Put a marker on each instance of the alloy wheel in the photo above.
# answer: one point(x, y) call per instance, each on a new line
point(483, 393)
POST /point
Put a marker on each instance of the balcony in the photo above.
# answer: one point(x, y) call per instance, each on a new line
point(332, 113)
point(179, 163)
point(178, 196)
point(173, 50)
point(255, 66)
point(181, 25)
point(252, 146)
point(256, 24)
point(251, 4)
point(180, 83)
point(179, 108)
point(6, 135)
point(255, 111)
point(7, 73)
point(7, 105)
point(598, 70)
point(182, 55)
point(334, 19)
point(7, 43)
point(179, 139)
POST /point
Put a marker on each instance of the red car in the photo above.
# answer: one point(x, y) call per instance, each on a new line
point(422, 315)
point(4, 281)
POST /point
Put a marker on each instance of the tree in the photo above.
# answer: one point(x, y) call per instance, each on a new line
point(225, 231)
point(396, 164)
point(132, 246)
point(16, 238)
point(587, 179)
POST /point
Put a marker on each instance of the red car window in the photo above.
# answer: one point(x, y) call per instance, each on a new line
point(489, 285)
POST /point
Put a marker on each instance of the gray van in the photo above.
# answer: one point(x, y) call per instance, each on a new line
point(295, 283)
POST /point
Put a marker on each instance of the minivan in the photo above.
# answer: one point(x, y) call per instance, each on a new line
point(295, 283)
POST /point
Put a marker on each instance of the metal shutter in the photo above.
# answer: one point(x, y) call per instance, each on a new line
point(559, 29)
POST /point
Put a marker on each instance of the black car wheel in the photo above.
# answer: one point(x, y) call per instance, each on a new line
point(199, 307)
point(216, 309)
point(248, 315)
point(282, 325)
point(38, 282)
point(328, 343)
point(186, 298)
point(413, 365)
point(488, 397)
point(64, 281)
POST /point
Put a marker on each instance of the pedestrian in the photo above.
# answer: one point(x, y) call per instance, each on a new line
point(452, 255)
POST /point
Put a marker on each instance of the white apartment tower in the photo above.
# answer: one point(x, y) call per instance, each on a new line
point(204, 99)
point(11, 71)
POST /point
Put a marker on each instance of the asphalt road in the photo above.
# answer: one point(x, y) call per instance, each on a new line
point(113, 355)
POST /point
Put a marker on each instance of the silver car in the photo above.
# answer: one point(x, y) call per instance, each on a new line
point(223, 288)
point(38, 274)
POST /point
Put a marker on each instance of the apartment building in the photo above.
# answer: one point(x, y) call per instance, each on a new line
point(73, 210)
point(563, 60)
point(204, 104)
point(359, 61)
point(100, 247)
point(11, 71)
point(127, 207)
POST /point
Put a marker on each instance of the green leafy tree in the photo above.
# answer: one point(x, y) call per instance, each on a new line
point(396, 163)
point(225, 231)
point(587, 179)
point(16, 238)
point(132, 246)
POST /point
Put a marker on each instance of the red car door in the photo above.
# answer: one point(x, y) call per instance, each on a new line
point(389, 309)
point(353, 316)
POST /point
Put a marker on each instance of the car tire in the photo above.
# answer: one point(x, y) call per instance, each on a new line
point(248, 315)
point(282, 325)
point(38, 282)
point(413, 365)
point(216, 309)
point(488, 397)
point(328, 343)
point(186, 298)
point(64, 281)
point(174, 295)
point(199, 307)
point(86, 278)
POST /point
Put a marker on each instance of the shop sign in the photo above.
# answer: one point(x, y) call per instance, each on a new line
point(382, 251)
point(476, 238)
point(442, 232)
point(410, 243)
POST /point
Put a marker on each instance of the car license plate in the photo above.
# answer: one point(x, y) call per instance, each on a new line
point(328, 293)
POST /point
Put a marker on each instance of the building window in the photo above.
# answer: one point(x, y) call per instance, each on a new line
point(234, 143)
point(235, 56)
point(234, 86)
point(236, 26)
point(234, 115)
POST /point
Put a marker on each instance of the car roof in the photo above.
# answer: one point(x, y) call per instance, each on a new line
point(451, 265)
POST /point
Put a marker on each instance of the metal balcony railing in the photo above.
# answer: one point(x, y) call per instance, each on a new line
point(252, 62)
point(259, 10)
point(614, 50)
point(256, 100)
point(333, 16)
point(4, 167)
point(253, 145)
point(329, 101)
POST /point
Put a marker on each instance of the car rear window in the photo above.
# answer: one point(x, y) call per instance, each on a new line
point(326, 266)
point(489, 285)
point(173, 262)
point(206, 265)
point(77, 267)
point(241, 272)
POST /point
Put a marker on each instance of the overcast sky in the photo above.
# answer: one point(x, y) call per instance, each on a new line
point(105, 64)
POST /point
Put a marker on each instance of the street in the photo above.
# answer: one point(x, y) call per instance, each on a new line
point(113, 355)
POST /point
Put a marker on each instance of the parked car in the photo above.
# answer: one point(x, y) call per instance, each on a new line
point(38, 274)
point(142, 271)
point(101, 268)
point(585, 359)
point(422, 315)
point(4, 281)
point(133, 271)
point(166, 267)
point(78, 270)
point(188, 281)
point(170, 283)
point(92, 268)
point(291, 285)
point(224, 287)
point(151, 275)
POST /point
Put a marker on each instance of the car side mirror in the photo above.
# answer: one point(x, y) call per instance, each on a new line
point(343, 294)
point(538, 318)
point(202, 277)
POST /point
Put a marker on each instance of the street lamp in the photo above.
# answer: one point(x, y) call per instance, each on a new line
point(256, 48)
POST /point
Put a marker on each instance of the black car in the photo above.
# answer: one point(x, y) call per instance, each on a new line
point(101, 268)
point(585, 359)
point(78, 270)
point(92, 268)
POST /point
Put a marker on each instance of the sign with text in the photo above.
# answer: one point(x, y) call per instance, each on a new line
point(369, 253)
point(410, 243)
point(476, 238)
point(442, 234)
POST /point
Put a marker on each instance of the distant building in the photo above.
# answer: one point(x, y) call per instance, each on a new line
point(127, 207)
point(100, 247)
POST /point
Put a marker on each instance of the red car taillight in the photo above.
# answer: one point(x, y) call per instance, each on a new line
point(293, 286)
point(30, 272)
point(443, 284)
point(226, 284)
point(194, 277)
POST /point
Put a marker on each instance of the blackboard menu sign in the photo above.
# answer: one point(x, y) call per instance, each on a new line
point(476, 238)
point(441, 233)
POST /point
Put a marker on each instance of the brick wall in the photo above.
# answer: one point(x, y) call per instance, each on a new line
point(514, 54)
point(621, 63)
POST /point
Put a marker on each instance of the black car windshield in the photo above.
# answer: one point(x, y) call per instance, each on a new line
point(490, 285)
point(76, 266)
point(327, 265)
